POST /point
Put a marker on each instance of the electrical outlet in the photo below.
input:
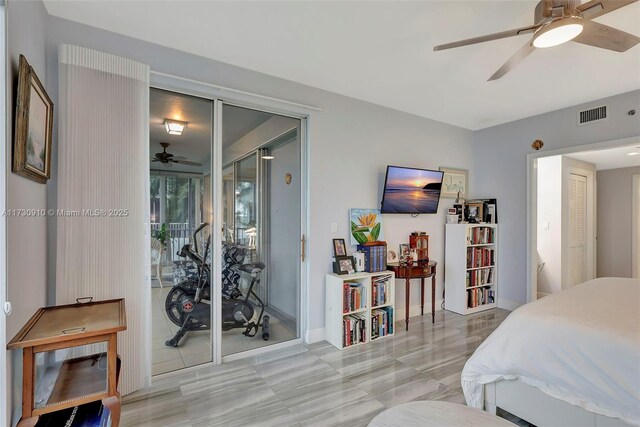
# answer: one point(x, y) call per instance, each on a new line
point(334, 227)
point(545, 225)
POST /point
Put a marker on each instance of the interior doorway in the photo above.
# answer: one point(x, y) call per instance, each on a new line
point(580, 215)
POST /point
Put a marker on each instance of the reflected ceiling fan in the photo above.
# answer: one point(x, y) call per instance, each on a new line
point(168, 159)
point(557, 22)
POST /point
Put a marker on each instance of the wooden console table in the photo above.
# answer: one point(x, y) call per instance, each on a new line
point(56, 381)
point(416, 270)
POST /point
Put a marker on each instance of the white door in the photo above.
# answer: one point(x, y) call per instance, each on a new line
point(577, 229)
point(635, 227)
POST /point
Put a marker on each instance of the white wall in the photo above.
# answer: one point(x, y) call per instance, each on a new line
point(501, 172)
point(26, 236)
point(550, 224)
point(284, 232)
point(351, 144)
point(614, 221)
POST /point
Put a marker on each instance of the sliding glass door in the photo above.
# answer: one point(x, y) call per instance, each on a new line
point(262, 216)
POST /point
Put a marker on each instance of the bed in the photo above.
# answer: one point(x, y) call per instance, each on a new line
point(571, 358)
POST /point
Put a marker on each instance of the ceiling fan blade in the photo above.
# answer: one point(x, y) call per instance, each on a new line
point(605, 37)
point(594, 8)
point(186, 162)
point(519, 56)
point(488, 37)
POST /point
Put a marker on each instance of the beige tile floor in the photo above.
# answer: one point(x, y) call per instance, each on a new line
point(195, 347)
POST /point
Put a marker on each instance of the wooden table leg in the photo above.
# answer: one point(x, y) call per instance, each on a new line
point(433, 299)
point(407, 288)
point(113, 404)
point(422, 296)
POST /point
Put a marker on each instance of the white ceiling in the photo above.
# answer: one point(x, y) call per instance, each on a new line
point(612, 158)
point(195, 142)
point(382, 51)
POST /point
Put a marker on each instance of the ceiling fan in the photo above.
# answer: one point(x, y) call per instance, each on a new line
point(557, 22)
point(168, 159)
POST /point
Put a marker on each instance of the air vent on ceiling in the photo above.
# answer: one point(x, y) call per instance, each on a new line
point(592, 115)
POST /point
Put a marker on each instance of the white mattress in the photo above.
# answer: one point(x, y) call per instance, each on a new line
point(581, 345)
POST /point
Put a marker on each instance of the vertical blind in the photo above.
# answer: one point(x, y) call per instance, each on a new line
point(103, 184)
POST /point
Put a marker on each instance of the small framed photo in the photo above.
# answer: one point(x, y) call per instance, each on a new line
point(404, 251)
point(475, 211)
point(339, 248)
point(33, 127)
point(344, 265)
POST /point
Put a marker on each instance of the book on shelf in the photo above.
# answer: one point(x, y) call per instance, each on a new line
point(481, 235)
point(354, 297)
point(355, 329)
point(480, 257)
point(480, 296)
point(381, 322)
point(381, 290)
point(375, 256)
point(479, 277)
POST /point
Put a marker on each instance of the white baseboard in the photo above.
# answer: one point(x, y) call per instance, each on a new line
point(314, 335)
point(508, 304)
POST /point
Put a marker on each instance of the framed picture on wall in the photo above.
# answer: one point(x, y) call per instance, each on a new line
point(34, 124)
point(454, 181)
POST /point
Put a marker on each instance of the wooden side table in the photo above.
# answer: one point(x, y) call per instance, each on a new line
point(52, 381)
point(416, 270)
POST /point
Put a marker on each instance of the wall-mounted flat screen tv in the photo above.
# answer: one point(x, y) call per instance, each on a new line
point(411, 190)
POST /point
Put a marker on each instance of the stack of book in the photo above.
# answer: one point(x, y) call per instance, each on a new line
point(480, 257)
point(481, 235)
point(355, 329)
point(480, 296)
point(381, 322)
point(354, 297)
point(375, 256)
point(381, 290)
point(479, 277)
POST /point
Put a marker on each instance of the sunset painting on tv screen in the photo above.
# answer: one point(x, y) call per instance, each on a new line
point(410, 190)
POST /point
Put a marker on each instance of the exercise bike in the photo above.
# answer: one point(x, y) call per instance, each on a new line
point(188, 304)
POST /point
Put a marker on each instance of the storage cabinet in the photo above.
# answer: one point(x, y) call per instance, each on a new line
point(69, 355)
point(359, 308)
point(471, 269)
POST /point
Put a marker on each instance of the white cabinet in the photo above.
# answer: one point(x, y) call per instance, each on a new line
point(359, 308)
point(471, 270)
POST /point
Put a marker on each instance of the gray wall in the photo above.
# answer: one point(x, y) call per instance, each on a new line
point(614, 221)
point(351, 144)
point(501, 171)
point(26, 236)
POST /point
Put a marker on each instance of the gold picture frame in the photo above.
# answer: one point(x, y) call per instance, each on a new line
point(33, 128)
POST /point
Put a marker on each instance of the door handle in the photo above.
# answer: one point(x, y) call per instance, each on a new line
point(303, 242)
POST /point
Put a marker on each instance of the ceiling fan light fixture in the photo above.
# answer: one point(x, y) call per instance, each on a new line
point(558, 32)
point(174, 127)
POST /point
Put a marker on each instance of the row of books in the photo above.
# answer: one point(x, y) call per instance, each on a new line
point(354, 297)
point(480, 296)
point(355, 329)
point(381, 290)
point(375, 257)
point(381, 322)
point(481, 235)
point(480, 277)
point(480, 257)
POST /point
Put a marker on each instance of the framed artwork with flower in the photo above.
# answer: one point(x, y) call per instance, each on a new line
point(366, 226)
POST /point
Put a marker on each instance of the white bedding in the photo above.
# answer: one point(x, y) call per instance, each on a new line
point(581, 345)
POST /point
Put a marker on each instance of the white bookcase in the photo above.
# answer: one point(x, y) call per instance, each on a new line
point(471, 284)
point(335, 305)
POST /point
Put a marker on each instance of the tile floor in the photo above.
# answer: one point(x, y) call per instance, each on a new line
point(318, 384)
point(195, 347)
